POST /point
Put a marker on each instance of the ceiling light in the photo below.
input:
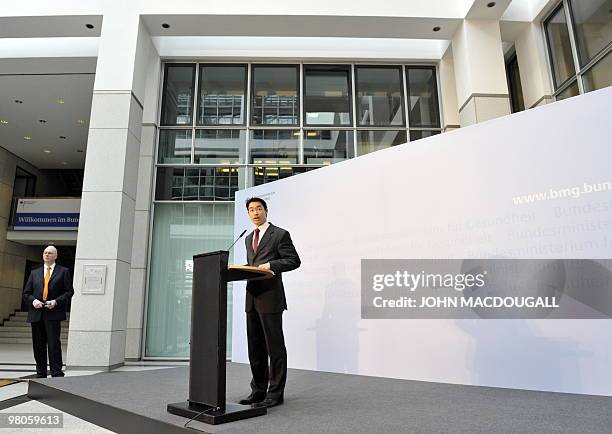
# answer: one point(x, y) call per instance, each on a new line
point(27, 137)
point(490, 4)
point(166, 25)
point(89, 26)
point(42, 121)
point(47, 151)
point(63, 163)
point(3, 121)
point(62, 137)
point(60, 101)
point(436, 29)
point(18, 101)
point(80, 121)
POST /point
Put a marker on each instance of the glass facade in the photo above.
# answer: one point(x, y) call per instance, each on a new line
point(180, 230)
point(298, 118)
point(579, 39)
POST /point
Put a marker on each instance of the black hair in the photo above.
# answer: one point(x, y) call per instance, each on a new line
point(257, 199)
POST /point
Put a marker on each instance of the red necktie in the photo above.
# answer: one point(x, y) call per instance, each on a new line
point(256, 240)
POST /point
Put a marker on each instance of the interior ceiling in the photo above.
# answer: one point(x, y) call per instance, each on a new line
point(41, 95)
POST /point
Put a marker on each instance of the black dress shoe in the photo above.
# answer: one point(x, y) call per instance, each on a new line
point(269, 402)
point(252, 399)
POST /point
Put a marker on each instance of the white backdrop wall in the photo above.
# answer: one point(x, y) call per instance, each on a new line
point(448, 196)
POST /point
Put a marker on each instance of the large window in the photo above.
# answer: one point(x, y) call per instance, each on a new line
point(379, 96)
point(177, 102)
point(327, 95)
point(423, 97)
point(579, 38)
point(275, 98)
point(222, 95)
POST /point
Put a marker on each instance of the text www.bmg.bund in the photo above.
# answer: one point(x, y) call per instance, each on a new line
point(572, 192)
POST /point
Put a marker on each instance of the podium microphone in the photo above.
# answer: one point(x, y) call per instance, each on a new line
point(239, 236)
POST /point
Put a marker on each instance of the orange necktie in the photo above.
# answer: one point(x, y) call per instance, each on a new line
point(46, 289)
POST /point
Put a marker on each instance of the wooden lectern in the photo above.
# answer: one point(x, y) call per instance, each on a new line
point(206, 402)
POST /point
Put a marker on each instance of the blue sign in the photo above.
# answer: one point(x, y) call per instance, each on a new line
point(50, 220)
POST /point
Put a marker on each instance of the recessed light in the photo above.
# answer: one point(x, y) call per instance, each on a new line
point(18, 101)
point(436, 29)
point(89, 26)
point(42, 121)
point(63, 163)
point(27, 137)
point(80, 121)
point(3, 121)
point(166, 25)
point(47, 151)
point(60, 101)
point(490, 4)
point(62, 137)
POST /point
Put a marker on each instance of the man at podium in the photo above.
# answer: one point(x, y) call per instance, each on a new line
point(268, 247)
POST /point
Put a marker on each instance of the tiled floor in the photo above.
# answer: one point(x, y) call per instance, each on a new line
point(16, 361)
point(19, 353)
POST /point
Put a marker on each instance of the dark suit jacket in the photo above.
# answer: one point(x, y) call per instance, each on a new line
point(60, 290)
point(275, 247)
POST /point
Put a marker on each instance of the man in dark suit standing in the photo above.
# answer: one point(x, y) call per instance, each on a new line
point(270, 248)
point(47, 292)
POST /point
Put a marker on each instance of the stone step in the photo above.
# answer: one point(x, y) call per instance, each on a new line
point(24, 334)
point(13, 323)
point(24, 341)
point(26, 324)
point(23, 314)
point(4, 329)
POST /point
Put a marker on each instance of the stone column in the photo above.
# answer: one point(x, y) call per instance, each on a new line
point(531, 56)
point(142, 219)
point(98, 322)
point(448, 91)
point(480, 72)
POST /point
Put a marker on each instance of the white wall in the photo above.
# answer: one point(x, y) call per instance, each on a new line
point(442, 197)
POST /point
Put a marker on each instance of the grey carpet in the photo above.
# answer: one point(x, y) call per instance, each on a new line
point(317, 402)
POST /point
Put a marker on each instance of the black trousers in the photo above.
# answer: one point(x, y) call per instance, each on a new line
point(266, 341)
point(46, 336)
